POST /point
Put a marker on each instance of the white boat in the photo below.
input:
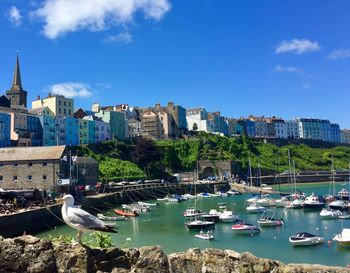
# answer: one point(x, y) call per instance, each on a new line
point(231, 192)
point(136, 208)
point(188, 196)
point(245, 228)
point(254, 208)
point(222, 205)
point(339, 205)
point(344, 216)
point(265, 221)
point(313, 202)
point(192, 212)
point(344, 194)
point(170, 199)
point(343, 238)
point(252, 200)
point(199, 224)
point(328, 213)
point(205, 235)
point(110, 218)
point(227, 216)
point(213, 215)
point(295, 204)
point(148, 204)
point(305, 239)
point(265, 202)
point(204, 195)
point(282, 202)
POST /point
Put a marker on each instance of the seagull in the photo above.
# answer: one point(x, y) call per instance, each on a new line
point(81, 220)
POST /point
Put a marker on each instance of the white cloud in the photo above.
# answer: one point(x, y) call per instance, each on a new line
point(124, 37)
point(71, 90)
point(104, 85)
point(290, 69)
point(298, 46)
point(14, 16)
point(339, 54)
point(63, 16)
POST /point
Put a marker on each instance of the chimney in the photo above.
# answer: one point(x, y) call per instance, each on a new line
point(49, 95)
point(38, 97)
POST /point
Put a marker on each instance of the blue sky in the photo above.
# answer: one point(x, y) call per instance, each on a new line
point(263, 57)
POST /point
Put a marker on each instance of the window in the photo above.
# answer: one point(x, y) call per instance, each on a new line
point(29, 178)
point(1, 164)
point(30, 164)
point(1, 178)
point(64, 111)
point(59, 110)
point(59, 102)
point(44, 164)
point(44, 177)
point(64, 103)
point(15, 164)
point(15, 178)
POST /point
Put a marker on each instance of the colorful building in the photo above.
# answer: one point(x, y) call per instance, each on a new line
point(59, 105)
point(83, 131)
point(71, 131)
point(48, 124)
point(318, 129)
point(5, 130)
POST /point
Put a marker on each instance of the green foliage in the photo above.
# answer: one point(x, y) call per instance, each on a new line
point(63, 238)
point(113, 169)
point(99, 240)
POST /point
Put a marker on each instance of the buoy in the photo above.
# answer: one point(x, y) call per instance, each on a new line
point(317, 228)
point(326, 228)
point(329, 242)
point(274, 237)
point(348, 266)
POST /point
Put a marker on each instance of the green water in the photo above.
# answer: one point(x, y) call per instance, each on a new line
point(164, 226)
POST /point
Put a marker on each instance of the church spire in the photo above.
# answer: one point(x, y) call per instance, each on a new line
point(17, 76)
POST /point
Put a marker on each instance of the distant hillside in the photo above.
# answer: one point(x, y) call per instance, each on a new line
point(126, 159)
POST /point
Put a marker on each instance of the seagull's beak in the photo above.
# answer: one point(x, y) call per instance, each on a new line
point(60, 200)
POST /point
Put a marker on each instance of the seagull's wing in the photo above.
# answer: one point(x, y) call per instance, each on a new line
point(84, 220)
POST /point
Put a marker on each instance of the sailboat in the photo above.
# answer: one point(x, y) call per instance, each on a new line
point(196, 223)
point(337, 204)
point(297, 202)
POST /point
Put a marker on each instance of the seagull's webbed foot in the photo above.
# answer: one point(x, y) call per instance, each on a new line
point(79, 236)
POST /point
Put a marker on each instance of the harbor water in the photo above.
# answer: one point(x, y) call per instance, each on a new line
point(164, 226)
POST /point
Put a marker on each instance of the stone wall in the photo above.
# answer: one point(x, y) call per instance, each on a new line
point(34, 255)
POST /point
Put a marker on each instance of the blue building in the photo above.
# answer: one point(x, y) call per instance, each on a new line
point(36, 130)
point(249, 127)
point(5, 127)
point(318, 129)
point(72, 131)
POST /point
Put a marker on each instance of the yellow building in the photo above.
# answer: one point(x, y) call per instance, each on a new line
point(59, 105)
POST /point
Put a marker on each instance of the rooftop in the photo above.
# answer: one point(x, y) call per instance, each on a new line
point(31, 153)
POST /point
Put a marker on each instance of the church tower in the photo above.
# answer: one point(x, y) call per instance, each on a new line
point(17, 95)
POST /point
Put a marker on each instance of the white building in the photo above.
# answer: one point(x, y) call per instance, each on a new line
point(345, 136)
point(292, 129)
point(197, 119)
point(280, 128)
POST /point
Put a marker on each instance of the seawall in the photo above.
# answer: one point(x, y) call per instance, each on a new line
point(34, 255)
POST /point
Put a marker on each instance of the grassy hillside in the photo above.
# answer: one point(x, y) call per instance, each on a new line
point(127, 159)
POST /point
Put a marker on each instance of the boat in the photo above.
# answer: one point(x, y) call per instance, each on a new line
point(344, 217)
point(200, 224)
point(192, 212)
point(213, 215)
point(231, 192)
point(170, 198)
point(126, 213)
point(227, 216)
point(339, 205)
point(245, 228)
point(344, 194)
point(295, 204)
point(135, 207)
point(265, 202)
point(252, 200)
point(222, 205)
point(305, 239)
point(313, 202)
point(148, 204)
point(204, 195)
point(205, 235)
point(282, 202)
point(110, 218)
point(343, 238)
point(254, 208)
point(265, 221)
point(328, 213)
point(188, 196)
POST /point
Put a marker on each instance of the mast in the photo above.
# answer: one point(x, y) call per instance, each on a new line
point(250, 173)
point(294, 178)
point(290, 172)
point(333, 177)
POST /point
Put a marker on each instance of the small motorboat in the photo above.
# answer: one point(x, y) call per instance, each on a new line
point(282, 202)
point(344, 194)
point(245, 228)
point(222, 205)
point(328, 213)
point(204, 195)
point(265, 221)
point(254, 208)
point(343, 238)
point(313, 202)
point(227, 216)
point(344, 217)
point(205, 235)
point(148, 204)
point(305, 239)
point(188, 196)
point(192, 212)
point(110, 218)
point(265, 202)
point(339, 205)
point(295, 204)
point(213, 215)
point(231, 192)
point(126, 213)
point(199, 224)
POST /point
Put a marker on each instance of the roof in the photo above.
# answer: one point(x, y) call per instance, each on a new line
point(31, 153)
point(85, 160)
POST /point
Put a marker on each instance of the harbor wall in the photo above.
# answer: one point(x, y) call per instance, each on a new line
point(34, 255)
point(36, 220)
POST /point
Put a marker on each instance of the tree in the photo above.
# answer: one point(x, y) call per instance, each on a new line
point(195, 127)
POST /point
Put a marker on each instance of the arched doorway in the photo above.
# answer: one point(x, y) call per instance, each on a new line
point(208, 172)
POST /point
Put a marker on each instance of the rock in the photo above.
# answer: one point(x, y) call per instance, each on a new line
point(151, 259)
point(27, 254)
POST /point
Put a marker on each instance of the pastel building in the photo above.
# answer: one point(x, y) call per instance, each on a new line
point(134, 128)
point(5, 132)
point(260, 126)
point(36, 131)
point(280, 127)
point(151, 125)
point(83, 131)
point(345, 136)
point(197, 119)
point(318, 129)
point(71, 131)
point(59, 105)
point(19, 133)
point(98, 130)
point(48, 124)
point(292, 128)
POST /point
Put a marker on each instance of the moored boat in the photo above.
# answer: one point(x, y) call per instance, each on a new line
point(199, 224)
point(148, 204)
point(305, 239)
point(245, 228)
point(313, 202)
point(126, 213)
point(254, 208)
point(343, 238)
point(222, 205)
point(205, 235)
point(213, 215)
point(192, 212)
point(328, 213)
point(344, 194)
point(227, 216)
point(295, 204)
point(282, 202)
point(265, 202)
point(339, 205)
point(265, 221)
point(110, 218)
